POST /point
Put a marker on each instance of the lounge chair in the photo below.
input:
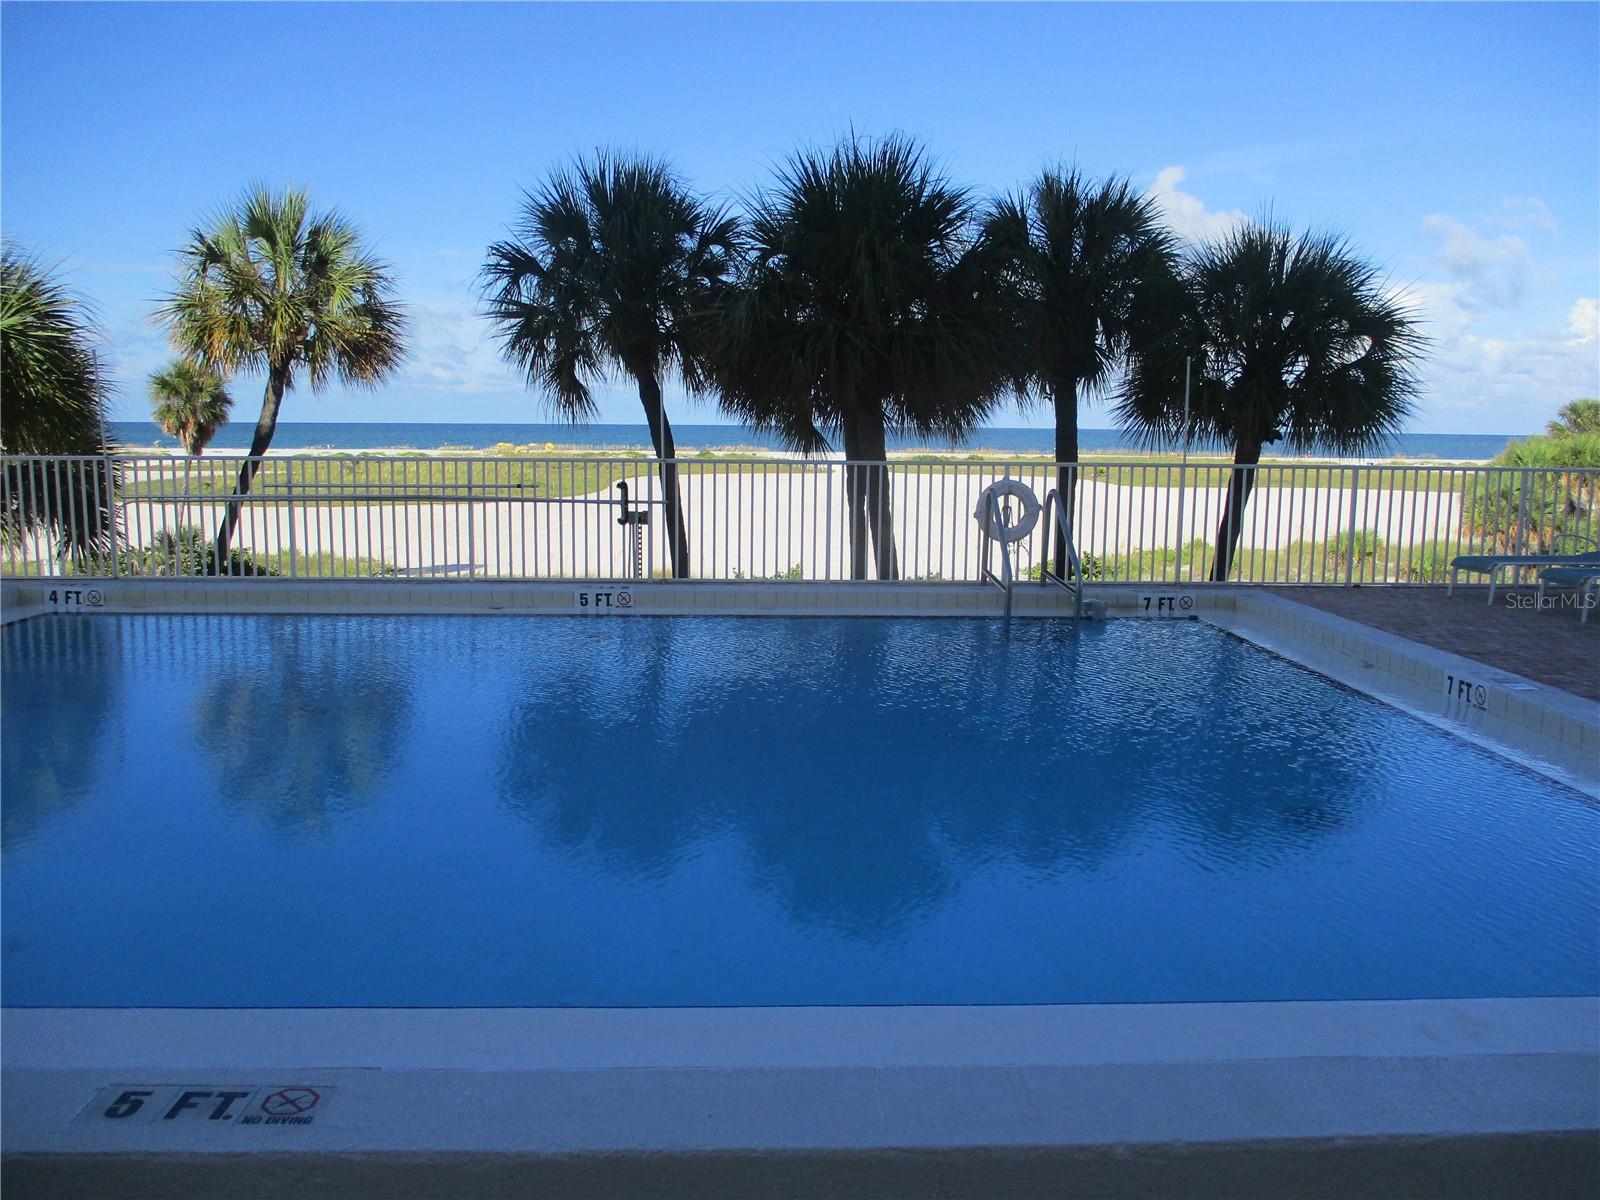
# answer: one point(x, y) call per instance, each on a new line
point(1564, 553)
point(1585, 579)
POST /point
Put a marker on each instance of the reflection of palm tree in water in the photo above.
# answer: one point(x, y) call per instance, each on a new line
point(58, 701)
point(1064, 764)
point(308, 720)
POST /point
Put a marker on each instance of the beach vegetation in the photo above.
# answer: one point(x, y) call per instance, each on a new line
point(1576, 416)
point(1547, 501)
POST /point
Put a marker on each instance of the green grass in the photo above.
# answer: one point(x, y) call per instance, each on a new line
point(1299, 562)
point(522, 471)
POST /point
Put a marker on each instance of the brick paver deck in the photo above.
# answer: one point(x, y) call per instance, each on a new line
point(1549, 646)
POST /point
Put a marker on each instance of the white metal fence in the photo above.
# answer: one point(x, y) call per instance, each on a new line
point(488, 517)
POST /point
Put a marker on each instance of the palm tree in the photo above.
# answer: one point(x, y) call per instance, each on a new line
point(1085, 262)
point(274, 287)
point(864, 308)
point(608, 263)
point(55, 397)
point(189, 402)
point(1576, 416)
point(1294, 340)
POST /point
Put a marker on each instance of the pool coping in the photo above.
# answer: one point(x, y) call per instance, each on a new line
point(1542, 728)
point(539, 1083)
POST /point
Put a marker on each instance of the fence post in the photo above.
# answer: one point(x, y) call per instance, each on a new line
point(1350, 555)
point(1183, 489)
point(472, 540)
point(288, 486)
point(1524, 478)
point(827, 524)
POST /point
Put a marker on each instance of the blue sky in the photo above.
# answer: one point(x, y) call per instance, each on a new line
point(1456, 146)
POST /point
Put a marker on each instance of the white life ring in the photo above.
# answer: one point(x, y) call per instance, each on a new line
point(993, 521)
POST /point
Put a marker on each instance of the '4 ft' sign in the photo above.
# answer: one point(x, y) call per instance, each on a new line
point(77, 598)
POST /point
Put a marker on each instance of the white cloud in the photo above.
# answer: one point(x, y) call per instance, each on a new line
point(1583, 320)
point(1480, 371)
point(1187, 214)
point(1474, 379)
point(453, 350)
point(1492, 272)
point(1522, 212)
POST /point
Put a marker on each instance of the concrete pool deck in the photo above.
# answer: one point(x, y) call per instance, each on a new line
point(1458, 1097)
point(1550, 645)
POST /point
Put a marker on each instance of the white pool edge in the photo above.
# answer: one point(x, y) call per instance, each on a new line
point(553, 1082)
point(1542, 728)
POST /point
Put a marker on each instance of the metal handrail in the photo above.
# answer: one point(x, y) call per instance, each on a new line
point(1007, 580)
point(1054, 504)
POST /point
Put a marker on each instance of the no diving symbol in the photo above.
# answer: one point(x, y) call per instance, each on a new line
point(624, 599)
point(1480, 695)
point(1185, 602)
point(290, 1102)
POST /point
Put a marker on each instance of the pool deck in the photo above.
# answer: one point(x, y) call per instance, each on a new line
point(1347, 1098)
point(1549, 646)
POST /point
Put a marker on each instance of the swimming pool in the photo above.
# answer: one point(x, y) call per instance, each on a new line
point(286, 811)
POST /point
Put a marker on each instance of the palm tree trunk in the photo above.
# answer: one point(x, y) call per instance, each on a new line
point(877, 484)
point(655, 412)
point(1064, 395)
point(855, 493)
point(266, 426)
point(1241, 482)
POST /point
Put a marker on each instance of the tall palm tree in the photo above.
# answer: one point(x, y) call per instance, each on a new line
point(272, 286)
point(1082, 260)
point(864, 308)
point(53, 399)
point(1294, 340)
point(190, 402)
point(608, 263)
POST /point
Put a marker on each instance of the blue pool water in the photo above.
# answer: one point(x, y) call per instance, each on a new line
point(626, 811)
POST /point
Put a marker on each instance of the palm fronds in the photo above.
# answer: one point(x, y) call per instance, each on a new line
point(271, 285)
point(610, 266)
point(190, 402)
point(1293, 340)
point(53, 398)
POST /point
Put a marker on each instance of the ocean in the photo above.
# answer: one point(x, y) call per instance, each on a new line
point(365, 435)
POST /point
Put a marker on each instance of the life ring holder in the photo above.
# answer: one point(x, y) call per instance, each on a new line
point(991, 516)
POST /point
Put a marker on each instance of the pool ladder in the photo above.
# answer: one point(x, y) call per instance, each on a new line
point(1006, 580)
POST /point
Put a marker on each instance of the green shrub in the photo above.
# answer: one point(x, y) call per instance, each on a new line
point(1556, 502)
point(186, 551)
